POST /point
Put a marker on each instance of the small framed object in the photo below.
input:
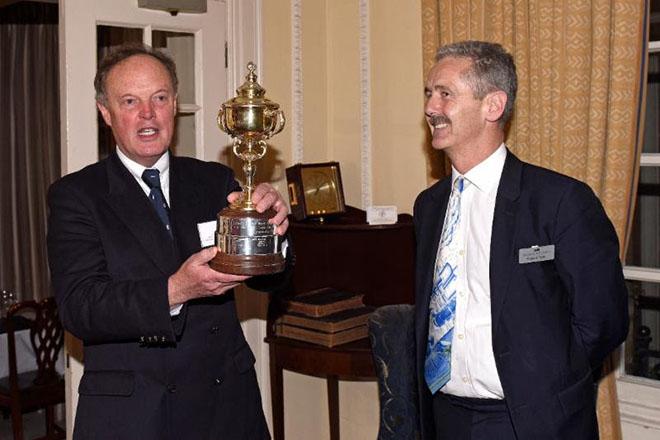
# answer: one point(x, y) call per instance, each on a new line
point(315, 190)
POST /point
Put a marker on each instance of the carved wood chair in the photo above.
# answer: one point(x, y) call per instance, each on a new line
point(42, 387)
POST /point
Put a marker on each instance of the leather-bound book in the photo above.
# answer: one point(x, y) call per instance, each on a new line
point(332, 323)
point(323, 302)
point(322, 338)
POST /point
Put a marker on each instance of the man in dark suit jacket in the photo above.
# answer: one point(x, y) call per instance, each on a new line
point(519, 290)
point(165, 356)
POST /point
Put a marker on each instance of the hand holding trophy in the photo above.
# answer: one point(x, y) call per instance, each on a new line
point(247, 243)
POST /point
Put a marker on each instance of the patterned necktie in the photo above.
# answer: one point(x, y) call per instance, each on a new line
point(152, 178)
point(437, 367)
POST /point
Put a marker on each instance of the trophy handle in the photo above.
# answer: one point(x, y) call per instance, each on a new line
point(279, 125)
point(278, 122)
point(222, 121)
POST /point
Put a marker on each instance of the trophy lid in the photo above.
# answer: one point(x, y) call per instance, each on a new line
point(250, 92)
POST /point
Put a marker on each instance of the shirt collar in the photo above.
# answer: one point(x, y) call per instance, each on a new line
point(136, 169)
point(486, 175)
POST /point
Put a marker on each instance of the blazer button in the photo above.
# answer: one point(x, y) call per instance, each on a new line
point(218, 381)
point(171, 388)
point(214, 329)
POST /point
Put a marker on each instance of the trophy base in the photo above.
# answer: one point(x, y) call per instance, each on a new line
point(248, 264)
point(247, 243)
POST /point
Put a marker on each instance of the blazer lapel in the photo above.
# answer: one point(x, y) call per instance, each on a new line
point(433, 217)
point(503, 237)
point(188, 207)
point(133, 208)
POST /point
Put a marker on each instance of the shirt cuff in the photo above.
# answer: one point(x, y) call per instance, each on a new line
point(174, 311)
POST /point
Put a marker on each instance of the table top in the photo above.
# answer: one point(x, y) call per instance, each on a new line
point(351, 361)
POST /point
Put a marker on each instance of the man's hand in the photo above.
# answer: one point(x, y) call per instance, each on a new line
point(196, 279)
point(265, 196)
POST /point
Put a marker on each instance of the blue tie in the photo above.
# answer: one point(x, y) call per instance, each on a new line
point(442, 308)
point(152, 178)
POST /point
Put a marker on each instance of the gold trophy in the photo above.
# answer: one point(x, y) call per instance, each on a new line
point(247, 243)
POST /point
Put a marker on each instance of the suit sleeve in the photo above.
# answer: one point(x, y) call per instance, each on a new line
point(587, 253)
point(93, 306)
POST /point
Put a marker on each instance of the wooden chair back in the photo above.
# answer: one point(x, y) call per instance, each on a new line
point(42, 387)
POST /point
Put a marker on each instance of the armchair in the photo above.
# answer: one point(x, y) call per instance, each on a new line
point(392, 335)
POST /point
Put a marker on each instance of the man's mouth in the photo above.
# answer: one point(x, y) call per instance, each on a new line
point(439, 122)
point(148, 131)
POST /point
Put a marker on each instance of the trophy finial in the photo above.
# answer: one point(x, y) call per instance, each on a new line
point(251, 76)
point(251, 89)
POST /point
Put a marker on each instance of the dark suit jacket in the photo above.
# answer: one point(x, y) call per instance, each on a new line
point(553, 322)
point(147, 375)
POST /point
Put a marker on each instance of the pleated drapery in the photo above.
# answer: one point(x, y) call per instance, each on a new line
point(29, 143)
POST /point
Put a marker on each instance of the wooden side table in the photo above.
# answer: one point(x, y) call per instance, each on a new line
point(348, 254)
point(350, 361)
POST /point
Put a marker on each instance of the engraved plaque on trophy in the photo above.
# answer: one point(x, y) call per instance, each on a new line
point(247, 243)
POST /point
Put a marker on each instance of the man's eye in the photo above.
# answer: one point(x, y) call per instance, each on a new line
point(161, 98)
point(444, 94)
point(129, 101)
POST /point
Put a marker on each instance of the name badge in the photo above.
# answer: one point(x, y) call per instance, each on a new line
point(535, 254)
point(207, 232)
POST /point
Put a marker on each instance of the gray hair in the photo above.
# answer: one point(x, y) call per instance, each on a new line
point(123, 52)
point(492, 69)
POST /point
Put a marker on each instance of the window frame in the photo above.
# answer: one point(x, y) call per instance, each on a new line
point(639, 397)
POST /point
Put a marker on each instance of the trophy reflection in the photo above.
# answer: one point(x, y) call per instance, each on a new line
point(247, 243)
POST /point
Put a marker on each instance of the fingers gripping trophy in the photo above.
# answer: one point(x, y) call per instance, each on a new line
point(247, 243)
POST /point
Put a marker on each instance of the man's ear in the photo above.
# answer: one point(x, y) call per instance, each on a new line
point(494, 104)
point(105, 113)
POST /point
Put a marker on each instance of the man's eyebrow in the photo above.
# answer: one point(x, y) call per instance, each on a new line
point(437, 87)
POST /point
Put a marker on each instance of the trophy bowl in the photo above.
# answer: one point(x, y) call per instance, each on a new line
point(247, 243)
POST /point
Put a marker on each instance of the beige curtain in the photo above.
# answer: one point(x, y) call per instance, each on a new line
point(29, 143)
point(581, 82)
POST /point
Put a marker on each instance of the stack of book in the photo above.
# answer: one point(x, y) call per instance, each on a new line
point(324, 316)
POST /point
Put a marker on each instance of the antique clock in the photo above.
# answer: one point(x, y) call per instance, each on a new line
point(315, 190)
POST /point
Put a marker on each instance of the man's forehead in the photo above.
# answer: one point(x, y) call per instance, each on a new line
point(138, 63)
point(138, 72)
point(447, 71)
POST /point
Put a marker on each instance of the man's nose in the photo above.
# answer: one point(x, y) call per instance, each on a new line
point(147, 110)
point(431, 106)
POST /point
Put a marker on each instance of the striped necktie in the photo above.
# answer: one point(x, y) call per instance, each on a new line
point(151, 177)
point(442, 307)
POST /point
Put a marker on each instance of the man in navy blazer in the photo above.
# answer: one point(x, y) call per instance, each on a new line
point(164, 353)
point(518, 307)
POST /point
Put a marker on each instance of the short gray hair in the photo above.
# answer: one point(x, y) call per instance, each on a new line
point(492, 69)
point(121, 53)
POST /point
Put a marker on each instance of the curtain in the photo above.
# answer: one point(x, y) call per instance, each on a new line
point(29, 143)
point(581, 81)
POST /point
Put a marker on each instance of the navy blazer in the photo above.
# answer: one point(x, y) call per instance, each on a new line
point(147, 375)
point(553, 322)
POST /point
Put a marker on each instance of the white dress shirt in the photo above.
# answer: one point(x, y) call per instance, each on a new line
point(136, 170)
point(473, 371)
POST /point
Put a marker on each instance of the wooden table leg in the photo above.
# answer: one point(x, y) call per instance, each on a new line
point(277, 395)
point(333, 406)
